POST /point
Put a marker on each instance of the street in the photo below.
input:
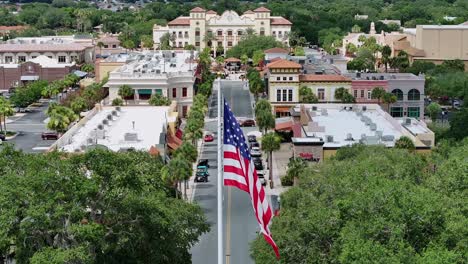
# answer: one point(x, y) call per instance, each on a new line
point(30, 126)
point(239, 221)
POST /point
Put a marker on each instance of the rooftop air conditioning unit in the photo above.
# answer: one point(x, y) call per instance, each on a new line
point(408, 121)
point(114, 113)
point(314, 108)
point(358, 75)
point(100, 126)
point(118, 108)
point(105, 122)
point(364, 108)
point(349, 137)
point(109, 117)
point(329, 138)
point(382, 77)
point(90, 140)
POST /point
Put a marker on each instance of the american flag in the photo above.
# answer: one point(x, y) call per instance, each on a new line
point(240, 172)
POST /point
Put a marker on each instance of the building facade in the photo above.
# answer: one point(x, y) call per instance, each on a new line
point(220, 32)
point(108, 44)
point(407, 87)
point(168, 73)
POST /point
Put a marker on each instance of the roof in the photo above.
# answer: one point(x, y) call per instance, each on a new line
point(180, 21)
point(464, 23)
point(279, 21)
point(262, 9)
point(232, 60)
point(107, 39)
point(197, 9)
point(13, 27)
point(276, 50)
point(47, 62)
point(248, 12)
point(41, 47)
point(415, 52)
point(322, 78)
point(281, 64)
point(211, 12)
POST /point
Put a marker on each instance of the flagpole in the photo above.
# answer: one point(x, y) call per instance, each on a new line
point(220, 177)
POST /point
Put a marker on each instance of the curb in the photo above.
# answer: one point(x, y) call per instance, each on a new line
point(191, 184)
point(12, 137)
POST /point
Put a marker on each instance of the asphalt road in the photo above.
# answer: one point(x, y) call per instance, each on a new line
point(30, 126)
point(239, 221)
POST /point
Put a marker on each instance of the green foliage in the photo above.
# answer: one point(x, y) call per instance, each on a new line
point(28, 94)
point(159, 100)
point(344, 96)
point(330, 39)
point(405, 142)
point(307, 96)
point(265, 120)
point(128, 44)
point(60, 117)
point(295, 168)
point(252, 43)
point(98, 207)
point(376, 205)
point(147, 41)
point(78, 105)
point(117, 102)
point(125, 91)
point(378, 93)
point(256, 84)
point(433, 109)
point(6, 109)
point(458, 123)
point(299, 51)
point(87, 67)
point(257, 57)
point(451, 85)
point(262, 105)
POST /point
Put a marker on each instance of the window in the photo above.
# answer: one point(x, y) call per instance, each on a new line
point(414, 95)
point(220, 43)
point(186, 43)
point(262, 23)
point(21, 59)
point(114, 46)
point(186, 34)
point(197, 33)
point(174, 92)
point(180, 44)
point(290, 95)
point(284, 78)
point(285, 92)
point(396, 111)
point(290, 78)
point(8, 59)
point(321, 94)
point(239, 33)
point(61, 59)
point(278, 95)
point(33, 57)
point(184, 92)
point(362, 93)
point(73, 58)
point(278, 78)
point(280, 34)
point(413, 112)
point(180, 34)
point(197, 23)
point(229, 43)
point(106, 46)
point(197, 44)
point(262, 32)
point(220, 32)
point(369, 94)
point(355, 93)
point(50, 57)
point(274, 33)
point(184, 110)
point(229, 32)
point(398, 93)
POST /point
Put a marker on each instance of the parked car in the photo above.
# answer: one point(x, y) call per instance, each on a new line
point(247, 123)
point(202, 174)
point(251, 138)
point(261, 174)
point(256, 152)
point(208, 138)
point(258, 166)
point(263, 181)
point(2, 137)
point(203, 162)
point(49, 136)
point(254, 144)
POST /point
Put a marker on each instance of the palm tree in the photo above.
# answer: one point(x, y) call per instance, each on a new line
point(6, 109)
point(265, 121)
point(100, 44)
point(209, 36)
point(125, 91)
point(271, 142)
point(386, 52)
point(52, 90)
point(405, 142)
point(378, 93)
point(388, 99)
point(175, 171)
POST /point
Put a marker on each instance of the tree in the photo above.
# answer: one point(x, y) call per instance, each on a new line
point(6, 109)
point(165, 41)
point(356, 29)
point(125, 91)
point(159, 100)
point(378, 93)
point(271, 142)
point(98, 207)
point(187, 151)
point(258, 57)
point(386, 53)
point(190, 47)
point(244, 59)
point(434, 110)
point(340, 92)
point(400, 62)
point(100, 45)
point(208, 38)
point(344, 96)
point(389, 98)
point(117, 102)
point(53, 89)
point(405, 142)
point(177, 170)
point(251, 43)
point(346, 217)
point(458, 123)
point(220, 60)
point(60, 117)
point(147, 41)
point(262, 105)
point(307, 96)
point(78, 105)
point(265, 121)
point(351, 48)
point(256, 84)
point(295, 167)
point(87, 67)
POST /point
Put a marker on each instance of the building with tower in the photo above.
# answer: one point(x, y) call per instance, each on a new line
point(220, 32)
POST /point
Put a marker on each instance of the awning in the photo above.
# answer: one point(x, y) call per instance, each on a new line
point(30, 78)
point(173, 142)
point(282, 109)
point(144, 91)
point(80, 74)
point(284, 123)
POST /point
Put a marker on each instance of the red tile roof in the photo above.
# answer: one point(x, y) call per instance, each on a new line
point(322, 78)
point(212, 12)
point(279, 21)
point(4, 28)
point(248, 12)
point(198, 9)
point(262, 9)
point(180, 21)
point(283, 64)
point(41, 47)
point(276, 50)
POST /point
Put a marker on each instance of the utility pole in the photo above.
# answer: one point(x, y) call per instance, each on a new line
point(220, 176)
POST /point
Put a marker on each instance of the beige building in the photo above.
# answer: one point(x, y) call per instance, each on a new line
point(108, 44)
point(435, 43)
point(227, 28)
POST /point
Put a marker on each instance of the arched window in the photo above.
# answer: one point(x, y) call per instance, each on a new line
point(220, 32)
point(414, 95)
point(239, 33)
point(229, 32)
point(197, 31)
point(262, 31)
point(398, 93)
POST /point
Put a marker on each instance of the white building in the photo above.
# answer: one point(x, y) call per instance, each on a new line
point(227, 28)
point(63, 49)
point(169, 73)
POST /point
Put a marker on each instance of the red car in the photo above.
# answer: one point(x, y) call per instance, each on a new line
point(208, 138)
point(247, 123)
point(49, 136)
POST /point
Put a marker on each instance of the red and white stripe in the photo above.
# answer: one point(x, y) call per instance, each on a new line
point(241, 173)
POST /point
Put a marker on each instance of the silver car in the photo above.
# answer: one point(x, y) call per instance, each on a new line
point(255, 152)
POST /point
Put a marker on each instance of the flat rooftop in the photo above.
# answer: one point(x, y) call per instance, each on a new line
point(47, 43)
point(384, 76)
point(137, 127)
point(338, 126)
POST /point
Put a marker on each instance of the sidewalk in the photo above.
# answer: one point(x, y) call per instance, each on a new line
point(191, 182)
point(280, 166)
